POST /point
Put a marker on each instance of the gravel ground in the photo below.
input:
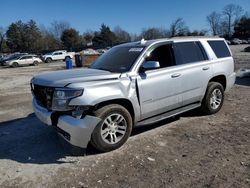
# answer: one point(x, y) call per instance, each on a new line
point(190, 150)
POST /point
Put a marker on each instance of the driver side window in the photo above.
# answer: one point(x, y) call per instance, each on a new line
point(163, 54)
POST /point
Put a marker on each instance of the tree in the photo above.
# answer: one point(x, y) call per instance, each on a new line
point(88, 37)
point(134, 37)
point(57, 28)
point(15, 35)
point(105, 37)
point(154, 33)
point(214, 20)
point(242, 29)
point(122, 35)
point(70, 38)
point(197, 33)
point(24, 36)
point(2, 38)
point(178, 28)
point(49, 41)
point(231, 13)
point(32, 36)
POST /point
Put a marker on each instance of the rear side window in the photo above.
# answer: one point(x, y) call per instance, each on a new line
point(189, 52)
point(220, 48)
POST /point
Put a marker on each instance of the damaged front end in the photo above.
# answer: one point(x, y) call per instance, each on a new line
point(73, 123)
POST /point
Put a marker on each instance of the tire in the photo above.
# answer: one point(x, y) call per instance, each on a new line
point(213, 99)
point(48, 60)
point(114, 129)
point(35, 63)
point(15, 64)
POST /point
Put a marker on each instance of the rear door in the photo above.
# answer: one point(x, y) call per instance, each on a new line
point(195, 70)
point(58, 56)
point(26, 60)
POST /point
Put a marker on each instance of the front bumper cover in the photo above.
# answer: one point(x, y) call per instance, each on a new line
point(79, 130)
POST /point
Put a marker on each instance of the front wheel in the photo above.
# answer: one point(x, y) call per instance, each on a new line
point(114, 129)
point(213, 99)
point(15, 64)
point(48, 60)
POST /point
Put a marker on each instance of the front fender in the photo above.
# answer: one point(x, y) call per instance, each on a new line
point(98, 92)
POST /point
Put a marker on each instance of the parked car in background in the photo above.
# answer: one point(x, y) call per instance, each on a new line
point(244, 42)
point(57, 56)
point(236, 41)
point(228, 42)
point(10, 57)
point(29, 59)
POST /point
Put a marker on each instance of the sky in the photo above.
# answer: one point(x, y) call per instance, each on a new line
point(131, 15)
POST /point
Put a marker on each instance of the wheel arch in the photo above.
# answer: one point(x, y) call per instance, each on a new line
point(220, 79)
point(121, 101)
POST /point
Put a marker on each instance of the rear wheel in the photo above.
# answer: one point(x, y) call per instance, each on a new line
point(114, 129)
point(15, 64)
point(35, 63)
point(213, 99)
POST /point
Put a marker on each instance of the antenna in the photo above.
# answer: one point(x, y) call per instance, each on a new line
point(143, 41)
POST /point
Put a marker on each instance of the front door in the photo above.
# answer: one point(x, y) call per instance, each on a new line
point(159, 89)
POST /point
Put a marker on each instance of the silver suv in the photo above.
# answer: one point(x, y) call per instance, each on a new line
point(134, 84)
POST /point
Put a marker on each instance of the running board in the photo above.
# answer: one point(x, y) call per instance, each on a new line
point(168, 114)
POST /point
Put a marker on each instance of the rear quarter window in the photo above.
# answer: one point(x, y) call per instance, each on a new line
point(220, 48)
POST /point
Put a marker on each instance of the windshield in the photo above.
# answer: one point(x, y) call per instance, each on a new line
point(14, 57)
point(118, 59)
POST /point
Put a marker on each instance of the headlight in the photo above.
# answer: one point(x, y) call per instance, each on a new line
point(62, 97)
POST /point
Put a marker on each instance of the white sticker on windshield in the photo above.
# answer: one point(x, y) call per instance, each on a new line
point(135, 49)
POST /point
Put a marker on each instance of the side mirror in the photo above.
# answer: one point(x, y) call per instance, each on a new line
point(150, 65)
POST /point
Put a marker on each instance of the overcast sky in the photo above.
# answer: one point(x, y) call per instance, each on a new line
point(131, 15)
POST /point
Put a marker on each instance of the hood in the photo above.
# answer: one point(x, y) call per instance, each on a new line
point(65, 77)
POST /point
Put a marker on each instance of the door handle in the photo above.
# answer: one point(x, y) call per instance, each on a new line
point(175, 75)
point(205, 68)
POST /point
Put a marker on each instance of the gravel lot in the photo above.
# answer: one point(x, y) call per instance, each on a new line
point(190, 150)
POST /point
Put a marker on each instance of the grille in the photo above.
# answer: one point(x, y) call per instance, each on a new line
point(43, 95)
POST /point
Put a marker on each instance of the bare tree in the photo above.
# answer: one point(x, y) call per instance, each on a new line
point(178, 28)
point(87, 37)
point(134, 37)
point(214, 20)
point(57, 27)
point(232, 13)
point(121, 34)
point(154, 33)
point(2, 36)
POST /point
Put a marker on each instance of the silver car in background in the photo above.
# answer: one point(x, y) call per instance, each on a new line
point(28, 59)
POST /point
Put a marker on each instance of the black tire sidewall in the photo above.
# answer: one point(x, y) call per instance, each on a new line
point(206, 107)
point(96, 139)
point(48, 60)
point(35, 63)
point(15, 64)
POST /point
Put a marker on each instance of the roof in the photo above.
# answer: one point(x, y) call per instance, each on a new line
point(144, 43)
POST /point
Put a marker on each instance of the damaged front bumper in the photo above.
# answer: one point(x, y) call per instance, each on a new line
point(75, 131)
